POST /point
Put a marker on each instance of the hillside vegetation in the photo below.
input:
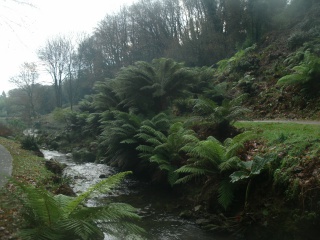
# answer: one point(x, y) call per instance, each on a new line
point(176, 125)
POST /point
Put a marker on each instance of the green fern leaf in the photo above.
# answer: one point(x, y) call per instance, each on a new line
point(186, 179)
point(226, 195)
point(103, 186)
point(192, 170)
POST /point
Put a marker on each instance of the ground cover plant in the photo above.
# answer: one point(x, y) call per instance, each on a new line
point(294, 176)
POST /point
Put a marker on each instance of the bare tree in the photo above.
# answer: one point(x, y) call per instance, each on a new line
point(74, 66)
point(26, 81)
point(56, 56)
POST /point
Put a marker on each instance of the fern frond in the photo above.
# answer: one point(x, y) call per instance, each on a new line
point(43, 233)
point(145, 149)
point(229, 164)
point(291, 79)
point(102, 186)
point(192, 170)
point(226, 194)
point(172, 177)
point(40, 205)
point(186, 179)
point(79, 229)
point(233, 145)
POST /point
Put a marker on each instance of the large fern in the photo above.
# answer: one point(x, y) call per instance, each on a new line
point(304, 73)
point(162, 147)
point(62, 217)
point(208, 113)
point(116, 140)
point(212, 159)
point(150, 87)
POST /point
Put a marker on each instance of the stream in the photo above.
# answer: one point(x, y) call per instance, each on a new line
point(152, 204)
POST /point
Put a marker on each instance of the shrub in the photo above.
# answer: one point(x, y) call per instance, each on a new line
point(5, 131)
point(29, 143)
point(297, 39)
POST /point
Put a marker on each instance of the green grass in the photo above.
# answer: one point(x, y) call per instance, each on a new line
point(27, 168)
point(296, 136)
point(295, 146)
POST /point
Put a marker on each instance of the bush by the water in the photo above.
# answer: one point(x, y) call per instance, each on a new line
point(5, 131)
point(29, 143)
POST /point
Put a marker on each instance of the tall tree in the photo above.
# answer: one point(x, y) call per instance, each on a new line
point(56, 56)
point(74, 66)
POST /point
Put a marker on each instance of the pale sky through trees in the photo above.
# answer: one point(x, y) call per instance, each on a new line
point(24, 28)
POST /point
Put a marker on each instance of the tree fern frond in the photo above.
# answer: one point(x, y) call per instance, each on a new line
point(43, 233)
point(192, 170)
point(143, 136)
point(79, 229)
point(226, 195)
point(102, 186)
point(41, 206)
point(172, 177)
point(145, 149)
point(186, 179)
point(291, 79)
point(237, 143)
point(229, 164)
point(159, 158)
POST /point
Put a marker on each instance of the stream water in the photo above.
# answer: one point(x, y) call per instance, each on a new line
point(152, 203)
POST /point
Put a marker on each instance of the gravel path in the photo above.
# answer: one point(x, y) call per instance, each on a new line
point(5, 165)
point(286, 121)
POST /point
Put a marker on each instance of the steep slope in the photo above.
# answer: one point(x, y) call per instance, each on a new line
point(257, 70)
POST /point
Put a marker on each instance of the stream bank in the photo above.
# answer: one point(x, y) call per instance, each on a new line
point(158, 208)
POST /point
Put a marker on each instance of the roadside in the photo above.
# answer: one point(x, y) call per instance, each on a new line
point(25, 167)
point(5, 165)
point(307, 122)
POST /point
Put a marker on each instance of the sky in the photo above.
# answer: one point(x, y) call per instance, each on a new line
point(24, 29)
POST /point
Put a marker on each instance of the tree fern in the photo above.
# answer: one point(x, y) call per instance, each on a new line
point(61, 217)
point(162, 148)
point(305, 73)
point(117, 141)
point(211, 159)
point(152, 86)
point(207, 113)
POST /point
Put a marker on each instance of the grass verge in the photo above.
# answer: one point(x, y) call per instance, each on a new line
point(293, 192)
point(27, 168)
